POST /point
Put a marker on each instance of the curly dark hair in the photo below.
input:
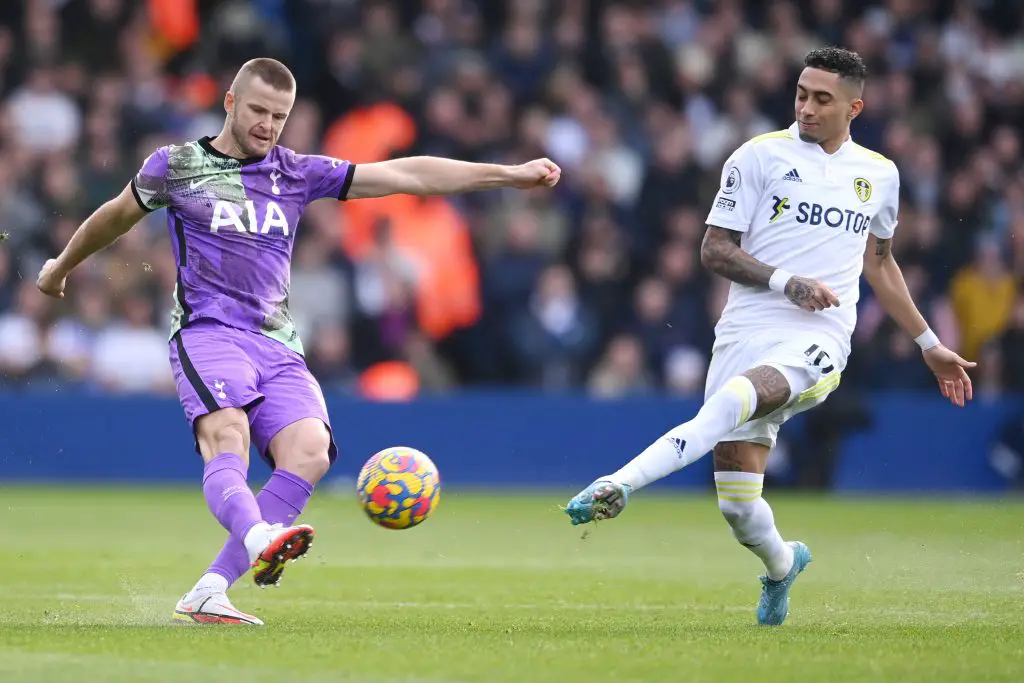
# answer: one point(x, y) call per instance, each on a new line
point(846, 63)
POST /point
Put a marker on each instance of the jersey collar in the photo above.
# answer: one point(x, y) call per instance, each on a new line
point(205, 141)
point(848, 143)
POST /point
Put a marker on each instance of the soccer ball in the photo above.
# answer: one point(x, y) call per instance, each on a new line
point(398, 487)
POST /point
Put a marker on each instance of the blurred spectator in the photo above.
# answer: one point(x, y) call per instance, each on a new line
point(671, 181)
point(434, 374)
point(604, 268)
point(21, 216)
point(685, 369)
point(514, 271)
point(658, 326)
point(553, 338)
point(983, 295)
point(739, 122)
point(330, 357)
point(71, 339)
point(621, 371)
point(1010, 350)
point(21, 347)
point(319, 292)
point(130, 355)
point(44, 118)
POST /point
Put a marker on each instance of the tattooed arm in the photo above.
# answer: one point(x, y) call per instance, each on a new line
point(721, 253)
point(886, 280)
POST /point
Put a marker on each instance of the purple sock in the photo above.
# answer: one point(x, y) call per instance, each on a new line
point(281, 500)
point(228, 495)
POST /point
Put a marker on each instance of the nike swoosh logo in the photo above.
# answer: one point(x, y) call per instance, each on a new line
point(196, 182)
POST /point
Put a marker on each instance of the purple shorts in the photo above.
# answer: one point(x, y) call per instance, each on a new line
point(216, 366)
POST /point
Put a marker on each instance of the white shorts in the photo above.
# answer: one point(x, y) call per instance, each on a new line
point(811, 362)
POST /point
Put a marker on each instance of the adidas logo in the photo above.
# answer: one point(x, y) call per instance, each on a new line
point(794, 176)
point(679, 445)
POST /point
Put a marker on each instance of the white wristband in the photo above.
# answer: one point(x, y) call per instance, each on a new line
point(927, 339)
point(777, 282)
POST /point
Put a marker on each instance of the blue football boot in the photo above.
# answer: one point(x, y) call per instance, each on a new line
point(773, 607)
point(603, 499)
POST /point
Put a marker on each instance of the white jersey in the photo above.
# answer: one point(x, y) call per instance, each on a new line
point(806, 212)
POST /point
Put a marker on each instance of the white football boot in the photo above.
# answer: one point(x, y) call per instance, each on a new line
point(211, 608)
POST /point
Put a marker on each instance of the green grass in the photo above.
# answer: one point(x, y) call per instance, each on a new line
point(501, 588)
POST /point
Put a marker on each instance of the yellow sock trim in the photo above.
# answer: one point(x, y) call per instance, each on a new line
point(739, 491)
point(736, 498)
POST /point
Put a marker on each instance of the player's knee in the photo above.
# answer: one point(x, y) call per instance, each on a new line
point(307, 453)
point(771, 387)
point(314, 465)
point(232, 437)
point(225, 431)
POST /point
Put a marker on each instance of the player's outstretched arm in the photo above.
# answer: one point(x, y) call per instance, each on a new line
point(886, 280)
point(100, 230)
point(427, 176)
point(721, 253)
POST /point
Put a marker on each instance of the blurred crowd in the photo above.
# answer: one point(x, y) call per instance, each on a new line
point(595, 286)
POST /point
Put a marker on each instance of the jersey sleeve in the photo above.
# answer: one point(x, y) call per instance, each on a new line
point(327, 177)
point(740, 191)
point(883, 225)
point(150, 184)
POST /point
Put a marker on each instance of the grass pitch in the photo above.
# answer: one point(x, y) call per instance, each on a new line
point(501, 588)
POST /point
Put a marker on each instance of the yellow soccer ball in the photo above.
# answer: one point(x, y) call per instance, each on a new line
point(398, 488)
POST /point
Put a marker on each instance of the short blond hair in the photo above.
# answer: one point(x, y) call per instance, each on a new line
point(270, 71)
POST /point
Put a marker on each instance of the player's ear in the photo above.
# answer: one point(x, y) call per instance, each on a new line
point(856, 107)
point(229, 102)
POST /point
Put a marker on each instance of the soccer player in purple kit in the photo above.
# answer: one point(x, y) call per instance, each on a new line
point(233, 203)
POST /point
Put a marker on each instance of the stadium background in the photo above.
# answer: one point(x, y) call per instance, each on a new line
point(542, 336)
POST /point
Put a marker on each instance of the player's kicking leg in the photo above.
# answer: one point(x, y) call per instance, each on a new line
point(290, 427)
point(737, 401)
point(264, 546)
point(739, 475)
point(259, 541)
point(280, 502)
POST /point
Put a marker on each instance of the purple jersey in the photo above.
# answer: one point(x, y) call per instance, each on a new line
point(232, 225)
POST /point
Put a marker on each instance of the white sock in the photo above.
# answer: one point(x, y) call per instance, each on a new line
point(724, 411)
point(752, 521)
point(210, 583)
point(256, 540)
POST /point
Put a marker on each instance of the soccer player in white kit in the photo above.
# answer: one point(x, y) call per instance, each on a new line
point(801, 213)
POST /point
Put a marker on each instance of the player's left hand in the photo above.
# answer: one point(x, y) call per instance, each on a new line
point(536, 173)
point(951, 372)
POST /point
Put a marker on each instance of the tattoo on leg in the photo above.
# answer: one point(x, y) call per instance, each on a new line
point(771, 387)
point(740, 456)
point(727, 457)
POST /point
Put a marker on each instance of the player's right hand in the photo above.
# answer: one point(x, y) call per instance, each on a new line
point(51, 280)
point(809, 294)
